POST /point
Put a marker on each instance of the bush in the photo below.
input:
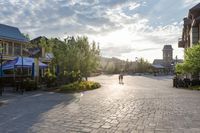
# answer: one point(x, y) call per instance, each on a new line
point(69, 77)
point(79, 86)
point(49, 79)
point(29, 84)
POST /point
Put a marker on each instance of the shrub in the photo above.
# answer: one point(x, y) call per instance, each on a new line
point(79, 86)
point(69, 77)
point(29, 84)
point(49, 79)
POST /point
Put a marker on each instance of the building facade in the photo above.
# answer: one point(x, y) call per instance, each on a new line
point(191, 28)
point(167, 55)
point(191, 32)
point(12, 42)
point(167, 63)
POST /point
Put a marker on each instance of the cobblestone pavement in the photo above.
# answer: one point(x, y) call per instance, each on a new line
point(142, 104)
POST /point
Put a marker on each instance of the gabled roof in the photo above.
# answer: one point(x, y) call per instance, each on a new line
point(195, 8)
point(11, 33)
point(36, 40)
point(158, 62)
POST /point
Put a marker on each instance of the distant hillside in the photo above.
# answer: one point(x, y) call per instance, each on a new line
point(114, 65)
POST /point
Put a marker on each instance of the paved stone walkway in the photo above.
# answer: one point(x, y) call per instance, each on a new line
point(142, 104)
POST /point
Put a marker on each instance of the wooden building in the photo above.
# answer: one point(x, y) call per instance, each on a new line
point(191, 28)
point(191, 33)
point(12, 42)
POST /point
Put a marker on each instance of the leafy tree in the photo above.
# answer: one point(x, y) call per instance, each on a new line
point(142, 66)
point(192, 61)
point(75, 55)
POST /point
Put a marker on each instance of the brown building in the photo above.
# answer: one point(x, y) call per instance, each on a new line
point(191, 32)
point(191, 28)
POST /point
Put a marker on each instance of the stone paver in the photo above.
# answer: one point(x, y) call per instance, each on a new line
point(142, 104)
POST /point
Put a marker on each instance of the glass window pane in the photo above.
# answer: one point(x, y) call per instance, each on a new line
point(17, 49)
point(10, 48)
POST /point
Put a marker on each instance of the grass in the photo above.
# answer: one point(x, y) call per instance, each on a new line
point(195, 88)
point(78, 87)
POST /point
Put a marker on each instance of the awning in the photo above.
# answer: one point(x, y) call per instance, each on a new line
point(17, 63)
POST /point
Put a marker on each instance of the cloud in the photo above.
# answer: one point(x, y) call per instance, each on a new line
point(122, 27)
point(119, 51)
point(188, 3)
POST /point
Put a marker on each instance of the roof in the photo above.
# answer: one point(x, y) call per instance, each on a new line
point(187, 21)
point(36, 40)
point(195, 8)
point(178, 60)
point(158, 66)
point(158, 62)
point(11, 33)
point(167, 47)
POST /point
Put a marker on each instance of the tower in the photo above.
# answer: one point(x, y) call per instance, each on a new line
point(167, 54)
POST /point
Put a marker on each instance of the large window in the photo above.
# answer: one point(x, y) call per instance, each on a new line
point(0, 46)
point(195, 35)
point(17, 49)
point(10, 48)
point(4, 48)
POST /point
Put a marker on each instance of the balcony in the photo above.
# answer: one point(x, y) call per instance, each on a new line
point(181, 43)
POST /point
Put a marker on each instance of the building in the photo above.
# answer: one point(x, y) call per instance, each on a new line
point(12, 42)
point(44, 55)
point(191, 32)
point(167, 63)
point(191, 28)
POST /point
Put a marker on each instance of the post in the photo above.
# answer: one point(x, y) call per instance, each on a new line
point(36, 71)
point(1, 65)
point(1, 76)
point(22, 76)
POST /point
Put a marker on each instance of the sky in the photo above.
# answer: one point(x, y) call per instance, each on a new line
point(125, 29)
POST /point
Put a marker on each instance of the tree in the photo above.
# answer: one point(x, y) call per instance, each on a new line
point(143, 66)
point(75, 55)
point(191, 63)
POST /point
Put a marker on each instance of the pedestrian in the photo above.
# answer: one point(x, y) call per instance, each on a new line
point(119, 78)
point(122, 79)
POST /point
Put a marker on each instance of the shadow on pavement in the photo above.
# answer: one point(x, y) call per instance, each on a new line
point(20, 113)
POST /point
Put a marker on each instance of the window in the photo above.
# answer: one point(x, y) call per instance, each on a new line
point(17, 49)
point(195, 35)
point(10, 48)
point(0, 46)
point(4, 48)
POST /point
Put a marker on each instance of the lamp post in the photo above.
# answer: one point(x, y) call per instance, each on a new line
point(136, 60)
point(22, 74)
point(1, 54)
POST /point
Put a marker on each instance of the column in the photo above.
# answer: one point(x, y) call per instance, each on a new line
point(21, 47)
point(13, 45)
point(7, 48)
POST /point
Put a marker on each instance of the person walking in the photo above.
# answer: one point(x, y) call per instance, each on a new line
point(119, 78)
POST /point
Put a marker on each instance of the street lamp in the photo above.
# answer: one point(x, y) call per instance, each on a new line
point(136, 60)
